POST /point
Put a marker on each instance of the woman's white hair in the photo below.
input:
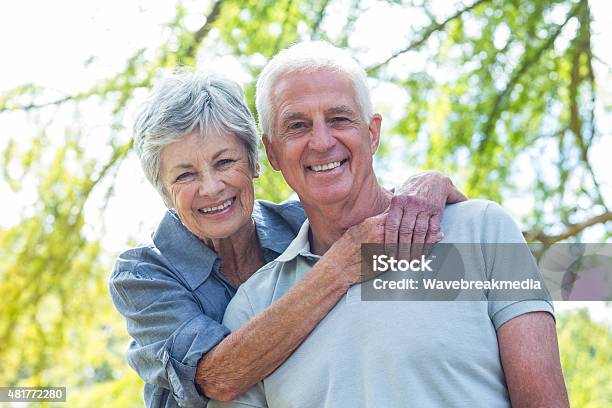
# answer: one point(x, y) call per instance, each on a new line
point(308, 57)
point(182, 103)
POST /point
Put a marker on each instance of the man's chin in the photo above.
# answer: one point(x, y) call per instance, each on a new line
point(327, 196)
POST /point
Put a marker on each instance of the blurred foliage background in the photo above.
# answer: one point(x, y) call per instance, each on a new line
point(508, 97)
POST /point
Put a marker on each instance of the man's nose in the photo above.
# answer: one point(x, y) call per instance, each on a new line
point(322, 138)
point(210, 184)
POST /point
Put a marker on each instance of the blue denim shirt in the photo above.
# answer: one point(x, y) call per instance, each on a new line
point(173, 298)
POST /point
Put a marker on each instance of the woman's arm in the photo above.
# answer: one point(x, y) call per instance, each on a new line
point(257, 348)
point(252, 352)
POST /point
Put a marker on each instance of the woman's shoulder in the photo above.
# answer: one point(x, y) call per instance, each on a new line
point(172, 252)
point(289, 212)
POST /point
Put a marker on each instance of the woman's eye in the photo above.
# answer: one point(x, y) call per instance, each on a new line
point(224, 162)
point(184, 176)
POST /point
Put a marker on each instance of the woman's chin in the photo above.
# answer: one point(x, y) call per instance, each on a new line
point(222, 227)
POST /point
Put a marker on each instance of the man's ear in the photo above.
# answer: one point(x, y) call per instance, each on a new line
point(375, 124)
point(270, 153)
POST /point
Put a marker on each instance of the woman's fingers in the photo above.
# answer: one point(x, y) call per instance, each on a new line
point(434, 231)
point(392, 225)
point(413, 225)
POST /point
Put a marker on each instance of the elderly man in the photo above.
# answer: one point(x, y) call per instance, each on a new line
point(321, 133)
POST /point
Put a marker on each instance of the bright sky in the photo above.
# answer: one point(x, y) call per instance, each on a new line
point(67, 45)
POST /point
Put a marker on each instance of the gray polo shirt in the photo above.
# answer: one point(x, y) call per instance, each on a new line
point(391, 353)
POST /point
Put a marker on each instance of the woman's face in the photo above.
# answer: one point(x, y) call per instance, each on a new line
point(209, 182)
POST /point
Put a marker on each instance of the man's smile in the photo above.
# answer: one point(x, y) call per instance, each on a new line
point(326, 166)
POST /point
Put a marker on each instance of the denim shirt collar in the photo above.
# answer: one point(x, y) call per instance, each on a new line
point(194, 261)
point(270, 236)
point(184, 251)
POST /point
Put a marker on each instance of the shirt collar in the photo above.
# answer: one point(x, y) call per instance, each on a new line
point(184, 251)
point(299, 246)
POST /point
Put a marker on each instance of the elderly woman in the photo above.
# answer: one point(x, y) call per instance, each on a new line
point(198, 146)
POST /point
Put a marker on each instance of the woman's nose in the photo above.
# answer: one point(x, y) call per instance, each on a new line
point(210, 185)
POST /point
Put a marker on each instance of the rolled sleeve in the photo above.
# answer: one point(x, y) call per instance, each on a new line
point(182, 352)
point(510, 258)
point(501, 313)
point(169, 329)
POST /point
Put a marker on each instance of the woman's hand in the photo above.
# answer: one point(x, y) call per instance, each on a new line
point(415, 216)
point(413, 222)
point(344, 256)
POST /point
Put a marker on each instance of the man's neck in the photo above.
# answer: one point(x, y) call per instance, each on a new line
point(329, 222)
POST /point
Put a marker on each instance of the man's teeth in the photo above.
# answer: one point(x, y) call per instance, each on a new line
point(328, 166)
point(217, 208)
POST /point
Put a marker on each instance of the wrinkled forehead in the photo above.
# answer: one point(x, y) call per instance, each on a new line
point(294, 88)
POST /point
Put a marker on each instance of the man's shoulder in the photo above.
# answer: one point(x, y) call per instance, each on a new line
point(478, 220)
point(262, 288)
point(461, 220)
point(469, 208)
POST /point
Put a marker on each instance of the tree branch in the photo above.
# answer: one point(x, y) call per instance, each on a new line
point(319, 20)
point(33, 106)
point(526, 64)
point(416, 44)
point(572, 230)
point(280, 37)
point(203, 31)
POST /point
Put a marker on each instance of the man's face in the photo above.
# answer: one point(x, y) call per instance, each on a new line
point(321, 143)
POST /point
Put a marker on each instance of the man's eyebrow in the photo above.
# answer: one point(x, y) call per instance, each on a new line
point(340, 109)
point(289, 116)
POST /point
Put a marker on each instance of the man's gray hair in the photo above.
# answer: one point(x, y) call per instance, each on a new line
point(309, 57)
point(182, 103)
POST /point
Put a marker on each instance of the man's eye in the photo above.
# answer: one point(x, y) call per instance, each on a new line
point(296, 126)
point(340, 119)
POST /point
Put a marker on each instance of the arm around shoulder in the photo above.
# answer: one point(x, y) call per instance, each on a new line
point(265, 337)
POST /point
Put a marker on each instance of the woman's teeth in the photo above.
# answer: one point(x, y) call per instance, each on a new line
point(328, 166)
point(217, 208)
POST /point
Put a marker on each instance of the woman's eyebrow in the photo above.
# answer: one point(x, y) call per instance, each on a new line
point(182, 166)
point(219, 153)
